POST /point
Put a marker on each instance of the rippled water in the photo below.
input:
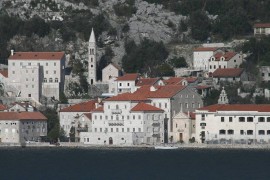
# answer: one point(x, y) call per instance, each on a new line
point(83, 163)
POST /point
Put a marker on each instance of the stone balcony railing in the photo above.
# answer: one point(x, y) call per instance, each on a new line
point(116, 123)
point(116, 111)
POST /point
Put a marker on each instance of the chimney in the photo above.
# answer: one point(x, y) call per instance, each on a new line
point(12, 52)
point(152, 88)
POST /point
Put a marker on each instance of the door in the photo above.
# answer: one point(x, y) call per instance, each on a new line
point(181, 137)
point(110, 140)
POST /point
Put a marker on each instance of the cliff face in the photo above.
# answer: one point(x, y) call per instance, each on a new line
point(145, 21)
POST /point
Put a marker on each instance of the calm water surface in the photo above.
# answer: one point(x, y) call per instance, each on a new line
point(80, 163)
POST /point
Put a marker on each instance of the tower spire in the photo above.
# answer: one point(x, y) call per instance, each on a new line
point(92, 38)
point(92, 59)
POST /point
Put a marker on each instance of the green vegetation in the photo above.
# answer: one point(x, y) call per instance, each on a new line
point(53, 124)
point(145, 57)
point(125, 10)
point(178, 62)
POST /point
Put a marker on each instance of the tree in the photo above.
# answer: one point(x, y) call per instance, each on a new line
point(178, 62)
point(200, 25)
point(164, 70)
point(53, 124)
point(62, 98)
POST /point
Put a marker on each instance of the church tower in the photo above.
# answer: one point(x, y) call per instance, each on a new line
point(223, 99)
point(92, 59)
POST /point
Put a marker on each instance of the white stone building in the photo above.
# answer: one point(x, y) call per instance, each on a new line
point(126, 119)
point(261, 29)
point(201, 57)
point(126, 83)
point(37, 74)
point(233, 123)
point(109, 72)
point(19, 127)
point(223, 60)
point(74, 116)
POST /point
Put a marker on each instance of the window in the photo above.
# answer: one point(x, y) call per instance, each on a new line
point(13, 72)
point(127, 84)
point(55, 64)
point(222, 131)
point(33, 86)
point(268, 132)
point(241, 119)
point(261, 132)
point(120, 84)
point(54, 72)
point(230, 131)
point(50, 80)
point(242, 132)
point(100, 117)
point(45, 80)
point(139, 129)
point(261, 119)
point(230, 119)
point(193, 105)
point(133, 129)
point(222, 119)
point(29, 64)
point(46, 72)
point(165, 105)
point(249, 132)
point(116, 129)
point(26, 79)
point(100, 129)
point(46, 64)
point(95, 117)
point(106, 117)
point(262, 74)
point(95, 129)
point(117, 106)
point(210, 67)
point(249, 119)
point(268, 119)
point(139, 117)
point(203, 117)
point(56, 80)
point(186, 105)
point(111, 129)
point(123, 130)
point(127, 129)
point(108, 106)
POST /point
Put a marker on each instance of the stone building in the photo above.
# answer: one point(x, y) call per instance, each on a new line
point(201, 57)
point(92, 59)
point(37, 74)
point(20, 127)
point(109, 72)
point(261, 29)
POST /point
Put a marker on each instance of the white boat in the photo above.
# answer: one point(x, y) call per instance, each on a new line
point(166, 147)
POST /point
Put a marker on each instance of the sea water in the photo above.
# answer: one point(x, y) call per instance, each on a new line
point(84, 163)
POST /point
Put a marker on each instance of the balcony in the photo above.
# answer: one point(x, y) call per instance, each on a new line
point(155, 134)
point(116, 111)
point(116, 123)
point(156, 124)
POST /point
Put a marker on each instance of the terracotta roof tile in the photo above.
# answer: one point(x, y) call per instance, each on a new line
point(147, 81)
point(166, 91)
point(202, 87)
point(128, 97)
point(192, 115)
point(128, 77)
point(237, 107)
point(81, 107)
point(262, 25)
point(37, 56)
point(22, 116)
point(206, 49)
point(178, 80)
point(4, 73)
point(2, 107)
point(88, 115)
point(226, 55)
point(145, 107)
point(228, 72)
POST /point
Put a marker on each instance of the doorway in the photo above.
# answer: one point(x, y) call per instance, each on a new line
point(110, 140)
point(180, 137)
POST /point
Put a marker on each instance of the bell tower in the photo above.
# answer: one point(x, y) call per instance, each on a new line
point(92, 59)
point(223, 99)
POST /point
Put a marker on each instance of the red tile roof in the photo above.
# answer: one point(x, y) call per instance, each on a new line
point(178, 80)
point(128, 77)
point(206, 49)
point(226, 55)
point(192, 115)
point(4, 73)
point(81, 107)
point(145, 107)
point(22, 116)
point(2, 107)
point(37, 56)
point(147, 81)
point(203, 87)
point(88, 115)
point(237, 107)
point(128, 97)
point(228, 72)
point(167, 91)
point(99, 109)
point(262, 25)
